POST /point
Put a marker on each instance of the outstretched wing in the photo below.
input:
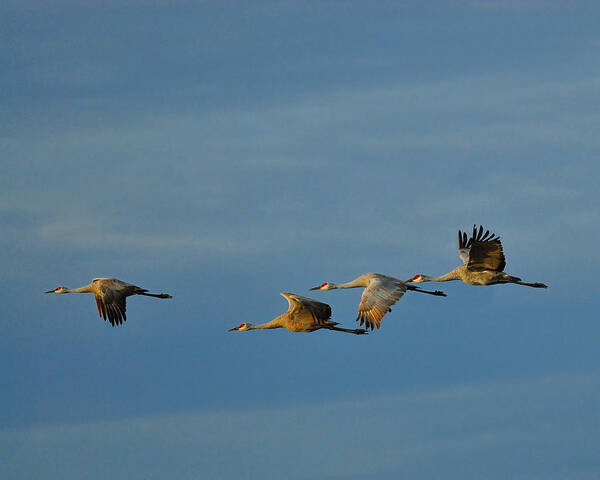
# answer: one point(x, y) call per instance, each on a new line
point(377, 298)
point(483, 251)
point(307, 309)
point(111, 304)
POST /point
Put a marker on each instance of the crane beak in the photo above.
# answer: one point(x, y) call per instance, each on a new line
point(49, 291)
point(232, 329)
point(318, 287)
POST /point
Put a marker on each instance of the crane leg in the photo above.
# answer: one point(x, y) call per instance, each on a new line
point(438, 293)
point(356, 331)
point(534, 285)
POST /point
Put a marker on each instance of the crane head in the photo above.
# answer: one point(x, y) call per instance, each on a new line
point(57, 290)
point(323, 286)
point(241, 328)
point(416, 279)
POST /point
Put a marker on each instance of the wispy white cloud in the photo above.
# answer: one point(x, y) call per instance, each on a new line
point(545, 423)
point(441, 151)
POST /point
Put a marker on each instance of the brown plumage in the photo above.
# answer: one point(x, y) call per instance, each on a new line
point(304, 315)
point(110, 294)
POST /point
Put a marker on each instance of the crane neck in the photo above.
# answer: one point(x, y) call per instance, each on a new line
point(275, 323)
point(447, 277)
point(352, 284)
point(84, 289)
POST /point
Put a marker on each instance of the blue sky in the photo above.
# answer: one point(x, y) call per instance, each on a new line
point(224, 153)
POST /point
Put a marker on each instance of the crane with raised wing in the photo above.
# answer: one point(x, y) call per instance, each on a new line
point(483, 262)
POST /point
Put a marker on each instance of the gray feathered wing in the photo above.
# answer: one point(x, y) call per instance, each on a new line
point(377, 298)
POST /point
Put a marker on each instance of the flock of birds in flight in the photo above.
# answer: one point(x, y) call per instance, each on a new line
point(483, 264)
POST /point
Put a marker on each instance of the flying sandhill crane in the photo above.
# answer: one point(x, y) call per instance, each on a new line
point(110, 296)
point(380, 293)
point(483, 262)
point(303, 315)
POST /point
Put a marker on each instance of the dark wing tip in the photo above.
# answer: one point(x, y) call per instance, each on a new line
point(481, 236)
point(463, 240)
